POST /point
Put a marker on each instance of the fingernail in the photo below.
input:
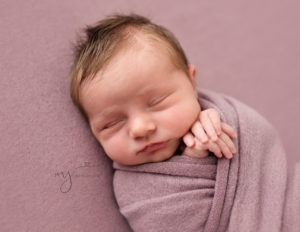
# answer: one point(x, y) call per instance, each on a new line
point(205, 140)
point(190, 143)
point(214, 138)
point(233, 150)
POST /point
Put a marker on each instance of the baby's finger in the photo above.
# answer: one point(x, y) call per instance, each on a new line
point(214, 148)
point(189, 140)
point(208, 126)
point(199, 132)
point(228, 130)
point(227, 140)
point(224, 148)
point(214, 116)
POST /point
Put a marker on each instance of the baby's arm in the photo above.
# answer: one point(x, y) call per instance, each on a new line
point(209, 134)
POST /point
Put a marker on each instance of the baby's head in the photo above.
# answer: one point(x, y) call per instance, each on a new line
point(132, 82)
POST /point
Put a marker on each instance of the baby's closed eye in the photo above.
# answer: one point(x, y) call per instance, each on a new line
point(113, 123)
point(158, 100)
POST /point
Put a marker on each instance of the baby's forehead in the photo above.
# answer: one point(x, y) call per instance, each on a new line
point(129, 64)
point(135, 52)
point(136, 49)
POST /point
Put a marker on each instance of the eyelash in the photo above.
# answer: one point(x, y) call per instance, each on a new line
point(157, 100)
point(111, 124)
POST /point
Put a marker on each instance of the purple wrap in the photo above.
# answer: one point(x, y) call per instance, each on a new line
point(251, 192)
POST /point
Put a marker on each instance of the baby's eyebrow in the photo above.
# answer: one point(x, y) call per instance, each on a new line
point(106, 113)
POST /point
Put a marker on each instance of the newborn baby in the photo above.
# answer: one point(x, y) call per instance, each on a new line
point(132, 82)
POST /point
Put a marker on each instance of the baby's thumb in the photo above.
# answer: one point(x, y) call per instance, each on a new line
point(189, 140)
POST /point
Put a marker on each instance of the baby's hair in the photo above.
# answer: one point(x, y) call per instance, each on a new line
point(106, 37)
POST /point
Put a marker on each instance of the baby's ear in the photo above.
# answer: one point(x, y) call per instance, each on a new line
point(192, 73)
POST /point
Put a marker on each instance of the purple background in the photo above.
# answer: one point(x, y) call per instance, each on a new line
point(247, 49)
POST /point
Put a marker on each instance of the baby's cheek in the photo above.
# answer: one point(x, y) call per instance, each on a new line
point(180, 119)
point(115, 147)
point(183, 123)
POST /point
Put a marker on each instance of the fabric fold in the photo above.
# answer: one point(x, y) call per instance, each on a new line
point(165, 196)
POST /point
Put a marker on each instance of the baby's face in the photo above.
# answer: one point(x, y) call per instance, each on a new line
point(140, 106)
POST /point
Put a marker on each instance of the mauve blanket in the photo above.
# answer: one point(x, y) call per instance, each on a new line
point(251, 192)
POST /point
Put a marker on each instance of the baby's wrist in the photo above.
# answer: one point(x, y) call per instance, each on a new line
point(195, 153)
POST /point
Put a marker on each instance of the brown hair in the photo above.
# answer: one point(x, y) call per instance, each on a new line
point(104, 38)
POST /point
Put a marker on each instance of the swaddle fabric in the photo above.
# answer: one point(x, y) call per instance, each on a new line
point(251, 192)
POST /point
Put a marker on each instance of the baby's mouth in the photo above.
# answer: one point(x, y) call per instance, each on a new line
point(154, 146)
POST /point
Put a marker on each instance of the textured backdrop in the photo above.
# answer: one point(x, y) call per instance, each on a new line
point(53, 176)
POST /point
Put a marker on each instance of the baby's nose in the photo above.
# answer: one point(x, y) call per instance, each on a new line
point(141, 127)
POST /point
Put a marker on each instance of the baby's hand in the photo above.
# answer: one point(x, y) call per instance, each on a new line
point(209, 133)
